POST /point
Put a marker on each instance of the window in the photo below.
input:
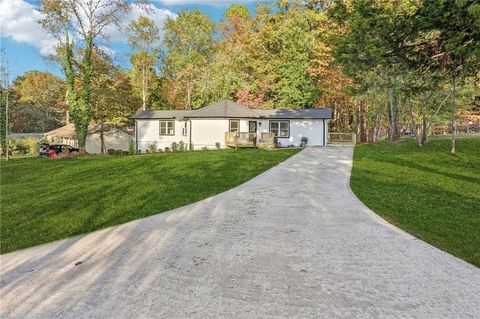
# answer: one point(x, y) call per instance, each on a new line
point(234, 126)
point(184, 128)
point(280, 128)
point(167, 127)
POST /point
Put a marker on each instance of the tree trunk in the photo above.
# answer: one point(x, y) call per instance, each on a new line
point(363, 123)
point(83, 118)
point(393, 134)
point(189, 97)
point(144, 88)
point(424, 127)
point(102, 139)
point(7, 126)
point(378, 120)
point(454, 123)
point(413, 121)
point(357, 120)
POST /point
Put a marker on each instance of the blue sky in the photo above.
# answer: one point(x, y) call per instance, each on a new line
point(23, 41)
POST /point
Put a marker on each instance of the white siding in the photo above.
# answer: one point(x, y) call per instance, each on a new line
point(114, 139)
point(207, 132)
point(312, 129)
point(148, 132)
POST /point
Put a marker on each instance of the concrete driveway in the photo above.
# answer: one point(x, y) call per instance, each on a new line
point(293, 242)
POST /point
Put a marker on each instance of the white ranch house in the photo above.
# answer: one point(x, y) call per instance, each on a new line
point(229, 124)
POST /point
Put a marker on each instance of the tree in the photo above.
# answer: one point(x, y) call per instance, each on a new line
point(88, 18)
point(44, 92)
point(113, 99)
point(371, 52)
point(143, 33)
point(280, 55)
point(4, 119)
point(188, 44)
point(4, 106)
point(453, 44)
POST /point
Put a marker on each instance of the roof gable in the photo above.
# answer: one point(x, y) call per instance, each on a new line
point(224, 109)
point(229, 109)
point(323, 113)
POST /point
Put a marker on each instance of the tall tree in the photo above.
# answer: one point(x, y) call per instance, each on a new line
point(4, 104)
point(453, 44)
point(89, 19)
point(188, 44)
point(283, 40)
point(44, 92)
point(113, 98)
point(143, 34)
point(370, 52)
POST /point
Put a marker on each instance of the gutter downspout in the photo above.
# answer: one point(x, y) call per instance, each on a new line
point(324, 141)
point(136, 137)
point(190, 134)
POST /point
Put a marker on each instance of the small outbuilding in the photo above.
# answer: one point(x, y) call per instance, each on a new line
point(114, 137)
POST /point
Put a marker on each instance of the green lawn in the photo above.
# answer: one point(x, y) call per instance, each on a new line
point(425, 191)
point(44, 200)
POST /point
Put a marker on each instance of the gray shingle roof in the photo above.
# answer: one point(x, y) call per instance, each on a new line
point(163, 114)
point(230, 109)
point(224, 109)
point(324, 113)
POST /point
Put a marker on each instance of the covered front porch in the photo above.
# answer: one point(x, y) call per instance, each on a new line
point(245, 139)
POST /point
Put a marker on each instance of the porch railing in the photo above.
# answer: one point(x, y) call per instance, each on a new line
point(245, 139)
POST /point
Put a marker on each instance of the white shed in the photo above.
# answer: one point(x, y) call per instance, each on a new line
point(114, 137)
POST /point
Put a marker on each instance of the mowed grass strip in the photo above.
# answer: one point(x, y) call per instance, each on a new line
point(425, 190)
point(44, 200)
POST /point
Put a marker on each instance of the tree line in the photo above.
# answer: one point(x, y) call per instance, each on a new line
point(393, 65)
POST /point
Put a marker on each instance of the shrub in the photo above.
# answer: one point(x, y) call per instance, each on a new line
point(192, 147)
point(167, 149)
point(131, 147)
point(204, 148)
point(12, 146)
point(29, 145)
point(181, 146)
point(218, 145)
point(118, 152)
point(20, 148)
point(152, 148)
point(304, 141)
point(111, 151)
point(174, 146)
point(125, 152)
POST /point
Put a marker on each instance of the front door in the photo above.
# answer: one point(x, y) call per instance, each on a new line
point(252, 126)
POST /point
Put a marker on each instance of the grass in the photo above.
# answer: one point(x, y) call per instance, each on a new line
point(426, 191)
point(44, 200)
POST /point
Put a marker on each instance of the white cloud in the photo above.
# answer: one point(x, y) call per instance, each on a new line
point(158, 15)
point(18, 20)
point(215, 3)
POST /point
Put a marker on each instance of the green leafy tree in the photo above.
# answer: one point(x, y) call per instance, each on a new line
point(45, 93)
point(453, 44)
point(143, 34)
point(113, 98)
point(281, 48)
point(371, 51)
point(88, 18)
point(188, 44)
